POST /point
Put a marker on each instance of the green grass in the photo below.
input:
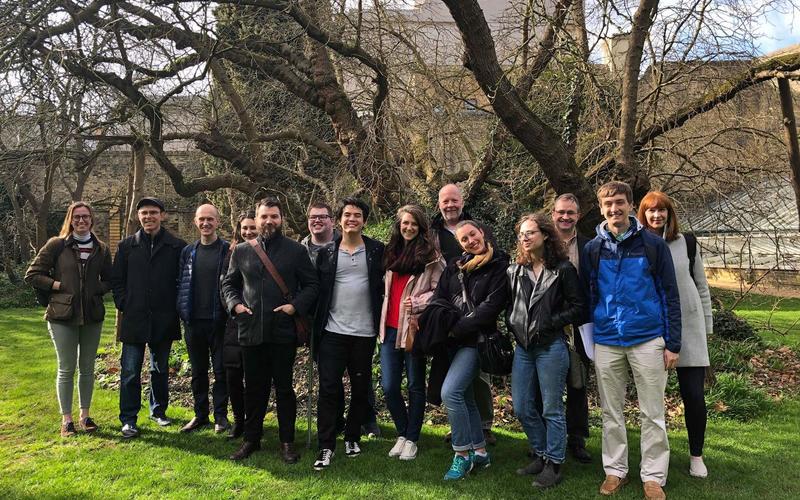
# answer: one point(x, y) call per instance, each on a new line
point(758, 459)
point(777, 318)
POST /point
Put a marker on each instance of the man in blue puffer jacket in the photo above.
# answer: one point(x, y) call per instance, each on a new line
point(200, 307)
point(630, 279)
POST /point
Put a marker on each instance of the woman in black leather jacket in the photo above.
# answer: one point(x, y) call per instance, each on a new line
point(545, 298)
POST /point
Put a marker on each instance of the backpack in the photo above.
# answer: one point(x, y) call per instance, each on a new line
point(691, 251)
point(43, 296)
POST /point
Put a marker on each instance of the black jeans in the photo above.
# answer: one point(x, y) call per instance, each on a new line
point(265, 364)
point(235, 379)
point(204, 339)
point(577, 398)
point(338, 353)
point(691, 380)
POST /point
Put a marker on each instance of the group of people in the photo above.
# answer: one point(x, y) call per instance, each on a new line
point(632, 298)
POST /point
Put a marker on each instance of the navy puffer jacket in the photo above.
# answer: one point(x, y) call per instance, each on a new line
point(184, 302)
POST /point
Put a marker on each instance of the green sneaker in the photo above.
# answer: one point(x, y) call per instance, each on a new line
point(459, 468)
point(480, 461)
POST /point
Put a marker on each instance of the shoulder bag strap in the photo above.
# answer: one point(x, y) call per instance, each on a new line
point(271, 268)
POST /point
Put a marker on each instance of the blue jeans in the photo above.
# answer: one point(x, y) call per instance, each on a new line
point(130, 389)
point(407, 421)
point(458, 397)
point(541, 371)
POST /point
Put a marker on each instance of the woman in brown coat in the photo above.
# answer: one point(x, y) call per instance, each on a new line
point(75, 267)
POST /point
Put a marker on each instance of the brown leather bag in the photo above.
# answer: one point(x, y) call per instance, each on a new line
point(302, 326)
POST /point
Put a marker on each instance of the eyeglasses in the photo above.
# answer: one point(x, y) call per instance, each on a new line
point(566, 212)
point(82, 217)
point(524, 235)
point(318, 217)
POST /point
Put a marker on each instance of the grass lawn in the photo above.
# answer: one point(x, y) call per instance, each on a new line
point(760, 459)
point(778, 318)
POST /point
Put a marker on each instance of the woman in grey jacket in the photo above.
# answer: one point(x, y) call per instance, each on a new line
point(657, 214)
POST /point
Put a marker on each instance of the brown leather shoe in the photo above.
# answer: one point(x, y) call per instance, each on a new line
point(194, 424)
point(653, 491)
point(245, 451)
point(612, 485)
point(288, 453)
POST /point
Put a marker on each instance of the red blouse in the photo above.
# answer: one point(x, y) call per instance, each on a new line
point(399, 282)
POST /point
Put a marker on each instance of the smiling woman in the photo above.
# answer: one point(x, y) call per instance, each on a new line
point(75, 267)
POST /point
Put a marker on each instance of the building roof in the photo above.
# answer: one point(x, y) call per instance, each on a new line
point(769, 208)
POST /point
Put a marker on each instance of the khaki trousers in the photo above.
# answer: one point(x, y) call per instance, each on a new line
point(646, 361)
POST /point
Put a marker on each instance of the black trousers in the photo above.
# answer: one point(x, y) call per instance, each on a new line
point(264, 365)
point(203, 342)
point(235, 379)
point(338, 353)
point(691, 380)
point(577, 407)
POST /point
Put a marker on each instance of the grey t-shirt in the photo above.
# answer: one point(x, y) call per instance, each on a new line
point(204, 281)
point(351, 312)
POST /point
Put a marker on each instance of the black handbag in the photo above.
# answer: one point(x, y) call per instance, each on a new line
point(495, 350)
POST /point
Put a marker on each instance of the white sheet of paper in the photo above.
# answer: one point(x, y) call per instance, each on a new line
point(587, 335)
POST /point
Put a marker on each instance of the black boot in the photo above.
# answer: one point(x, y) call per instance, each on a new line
point(549, 477)
point(236, 430)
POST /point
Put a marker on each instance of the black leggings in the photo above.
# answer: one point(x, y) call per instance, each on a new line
point(691, 380)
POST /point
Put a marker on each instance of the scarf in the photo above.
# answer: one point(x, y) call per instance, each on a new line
point(477, 261)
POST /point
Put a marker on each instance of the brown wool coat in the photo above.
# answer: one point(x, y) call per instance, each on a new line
point(80, 299)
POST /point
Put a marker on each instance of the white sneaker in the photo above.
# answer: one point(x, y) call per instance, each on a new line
point(351, 449)
point(397, 449)
point(323, 460)
point(697, 468)
point(409, 451)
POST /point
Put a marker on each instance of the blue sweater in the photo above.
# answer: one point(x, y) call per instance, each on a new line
point(185, 272)
point(632, 300)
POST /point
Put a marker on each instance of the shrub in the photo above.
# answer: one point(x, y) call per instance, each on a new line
point(733, 356)
point(16, 294)
point(733, 396)
point(729, 326)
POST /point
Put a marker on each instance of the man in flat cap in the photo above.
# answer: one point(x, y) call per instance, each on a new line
point(143, 280)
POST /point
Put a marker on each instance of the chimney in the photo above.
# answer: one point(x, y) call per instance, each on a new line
point(614, 51)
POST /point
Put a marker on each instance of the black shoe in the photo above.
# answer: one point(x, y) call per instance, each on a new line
point(88, 425)
point(195, 423)
point(246, 450)
point(579, 453)
point(236, 430)
point(532, 468)
point(288, 453)
point(371, 430)
point(351, 449)
point(129, 431)
point(549, 477)
point(68, 430)
point(221, 425)
point(489, 437)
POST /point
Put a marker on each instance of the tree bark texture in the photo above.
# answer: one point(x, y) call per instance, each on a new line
point(790, 133)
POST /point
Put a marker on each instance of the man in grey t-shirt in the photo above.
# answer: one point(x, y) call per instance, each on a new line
point(345, 328)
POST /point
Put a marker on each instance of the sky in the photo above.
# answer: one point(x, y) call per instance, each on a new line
point(781, 30)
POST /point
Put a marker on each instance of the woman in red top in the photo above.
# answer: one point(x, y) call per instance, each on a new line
point(413, 265)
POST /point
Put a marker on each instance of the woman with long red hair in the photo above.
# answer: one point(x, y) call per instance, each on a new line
point(657, 214)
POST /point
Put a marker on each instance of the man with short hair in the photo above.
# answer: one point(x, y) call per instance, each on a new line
point(566, 214)
point(143, 281)
point(267, 330)
point(630, 279)
point(346, 326)
point(443, 224)
point(321, 234)
point(203, 314)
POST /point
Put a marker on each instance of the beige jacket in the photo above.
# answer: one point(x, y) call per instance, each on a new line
point(420, 288)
